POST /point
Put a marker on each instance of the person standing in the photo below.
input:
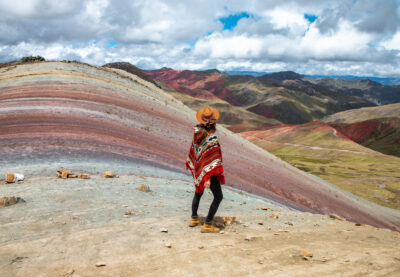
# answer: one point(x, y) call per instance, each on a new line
point(205, 163)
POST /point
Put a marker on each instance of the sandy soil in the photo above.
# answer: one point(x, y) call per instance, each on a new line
point(67, 226)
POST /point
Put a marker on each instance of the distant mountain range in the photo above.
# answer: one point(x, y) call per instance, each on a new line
point(282, 97)
point(382, 80)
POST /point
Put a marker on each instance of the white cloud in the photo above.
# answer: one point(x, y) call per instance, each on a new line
point(393, 43)
point(345, 43)
point(348, 37)
point(283, 18)
point(226, 46)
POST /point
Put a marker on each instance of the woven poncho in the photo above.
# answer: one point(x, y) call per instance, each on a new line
point(205, 159)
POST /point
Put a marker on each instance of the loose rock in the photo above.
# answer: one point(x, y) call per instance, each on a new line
point(84, 176)
point(306, 255)
point(274, 216)
point(128, 213)
point(335, 216)
point(99, 264)
point(8, 201)
point(10, 178)
point(144, 188)
point(63, 173)
point(264, 208)
point(250, 238)
point(260, 222)
point(164, 230)
point(109, 174)
point(168, 245)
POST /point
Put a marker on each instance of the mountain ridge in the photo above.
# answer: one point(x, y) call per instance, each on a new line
point(286, 96)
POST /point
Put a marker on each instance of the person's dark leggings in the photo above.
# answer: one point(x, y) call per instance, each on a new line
point(215, 187)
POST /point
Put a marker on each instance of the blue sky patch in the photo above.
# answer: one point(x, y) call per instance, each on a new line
point(111, 43)
point(231, 20)
point(310, 17)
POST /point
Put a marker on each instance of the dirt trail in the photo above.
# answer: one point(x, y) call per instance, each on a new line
point(70, 225)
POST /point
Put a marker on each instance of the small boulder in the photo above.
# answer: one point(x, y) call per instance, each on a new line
point(84, 176)
point(168, 245)
point(109, 174)
point(10, 178)
point(250, 238)
point(264, 208)
point(260, 222)
point(144, 188)
point(164, 230)
point(63, 173)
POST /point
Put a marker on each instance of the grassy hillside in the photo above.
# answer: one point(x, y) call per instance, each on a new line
point(377, 128)
point(319, 149)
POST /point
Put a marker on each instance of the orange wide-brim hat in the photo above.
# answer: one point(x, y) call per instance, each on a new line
point(207, 115)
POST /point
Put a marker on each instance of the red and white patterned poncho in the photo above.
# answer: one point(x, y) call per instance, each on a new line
point(205, 159)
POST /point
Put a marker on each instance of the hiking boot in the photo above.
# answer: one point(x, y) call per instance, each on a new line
point(209, 228)
point(194, 222)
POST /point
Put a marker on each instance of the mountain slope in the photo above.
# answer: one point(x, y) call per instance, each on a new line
point(128, 67)
point(54, 114)
point(321, 150)
point(377, 128)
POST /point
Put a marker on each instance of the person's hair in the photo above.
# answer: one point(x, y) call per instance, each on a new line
point(208, 127)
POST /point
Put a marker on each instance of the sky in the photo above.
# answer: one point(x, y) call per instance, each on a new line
point(331, 37)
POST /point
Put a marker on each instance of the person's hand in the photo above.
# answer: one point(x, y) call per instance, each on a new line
point(207, 184)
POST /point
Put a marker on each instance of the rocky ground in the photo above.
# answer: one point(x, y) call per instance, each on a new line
point(107, 227)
